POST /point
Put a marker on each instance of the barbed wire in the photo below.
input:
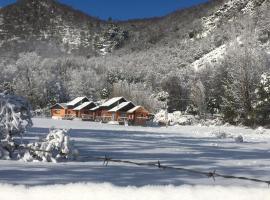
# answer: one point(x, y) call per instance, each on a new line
point(211, 174)
point(157, 164)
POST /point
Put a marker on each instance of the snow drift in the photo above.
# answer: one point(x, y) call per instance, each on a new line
point(106, 191)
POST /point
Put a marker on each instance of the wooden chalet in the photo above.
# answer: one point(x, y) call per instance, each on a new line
point(58, 111)
point(83, 110)
point(95, 113)
point(138, 116)
point(119, 112)
point(66, 110)
point(102, 112)
point(71, 113)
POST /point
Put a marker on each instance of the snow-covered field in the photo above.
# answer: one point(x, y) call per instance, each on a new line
point(192, 147)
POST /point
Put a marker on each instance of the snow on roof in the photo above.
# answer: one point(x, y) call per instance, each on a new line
point(82, 105)
point(63, 105)
point(120, 106)
point(132, 110)
point(75, 101)
point(111, 101)
point(95, 108)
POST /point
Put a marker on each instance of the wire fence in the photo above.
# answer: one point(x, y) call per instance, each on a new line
point(211, 174)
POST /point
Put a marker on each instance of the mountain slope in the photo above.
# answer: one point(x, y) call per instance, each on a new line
point(51, 28)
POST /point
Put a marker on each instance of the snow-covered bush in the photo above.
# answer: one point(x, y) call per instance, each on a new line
point(15, 118)
point(179, 118)
point(224, 135)
point(239, 139)
point(175, 118)
point(55, 147)
point(221, 134)
point(187, 120)
point(260, 130)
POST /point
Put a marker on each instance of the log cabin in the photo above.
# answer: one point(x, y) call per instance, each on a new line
point(103, 109)
point(138, 116)
point(96, 113)
point(71, 113)
point(119, 112)
point(59, 110)
point(83, 110)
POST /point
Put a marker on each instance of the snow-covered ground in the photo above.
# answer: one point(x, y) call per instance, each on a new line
point(192, 147)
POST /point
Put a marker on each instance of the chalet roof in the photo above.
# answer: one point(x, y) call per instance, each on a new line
point(75, 101)
point(63, 105)
point(111, 101)
point(132, 110)
point(95, 108)
point(83, 105)
point(120, 106)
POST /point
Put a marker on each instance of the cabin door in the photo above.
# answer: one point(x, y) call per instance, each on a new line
point(113, 116)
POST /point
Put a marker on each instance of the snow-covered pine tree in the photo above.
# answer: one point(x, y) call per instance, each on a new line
point(197, 96)
point(262, 104)
point(213, 106)
point(15, 118)
point(230, 102)
point(104, 93)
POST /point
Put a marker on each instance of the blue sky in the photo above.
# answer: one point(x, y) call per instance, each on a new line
point(125, 9)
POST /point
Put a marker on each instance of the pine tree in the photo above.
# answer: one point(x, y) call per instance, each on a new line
point(262, 104)
point(230, 102)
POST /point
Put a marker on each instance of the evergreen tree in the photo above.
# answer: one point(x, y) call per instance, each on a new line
point(262, 104)
point(230, 102)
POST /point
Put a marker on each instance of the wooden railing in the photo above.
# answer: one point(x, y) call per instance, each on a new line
point(86, 117)
point(69, 117)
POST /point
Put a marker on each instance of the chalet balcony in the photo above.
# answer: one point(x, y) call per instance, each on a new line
point(87, 117)
point(69, 117)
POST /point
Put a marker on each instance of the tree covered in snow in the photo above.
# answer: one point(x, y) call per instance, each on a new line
point(104, 93)
point(213, 106)
point(244, 63)
point(15, 118)
point(163, 96)
point(262, 104)
point(230, 102)
point(56, 146)
point(197, 96)
point(176, 84)
point(138, 93)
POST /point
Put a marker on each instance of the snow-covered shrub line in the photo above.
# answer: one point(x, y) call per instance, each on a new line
point(180, 118)
point(109, 192)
